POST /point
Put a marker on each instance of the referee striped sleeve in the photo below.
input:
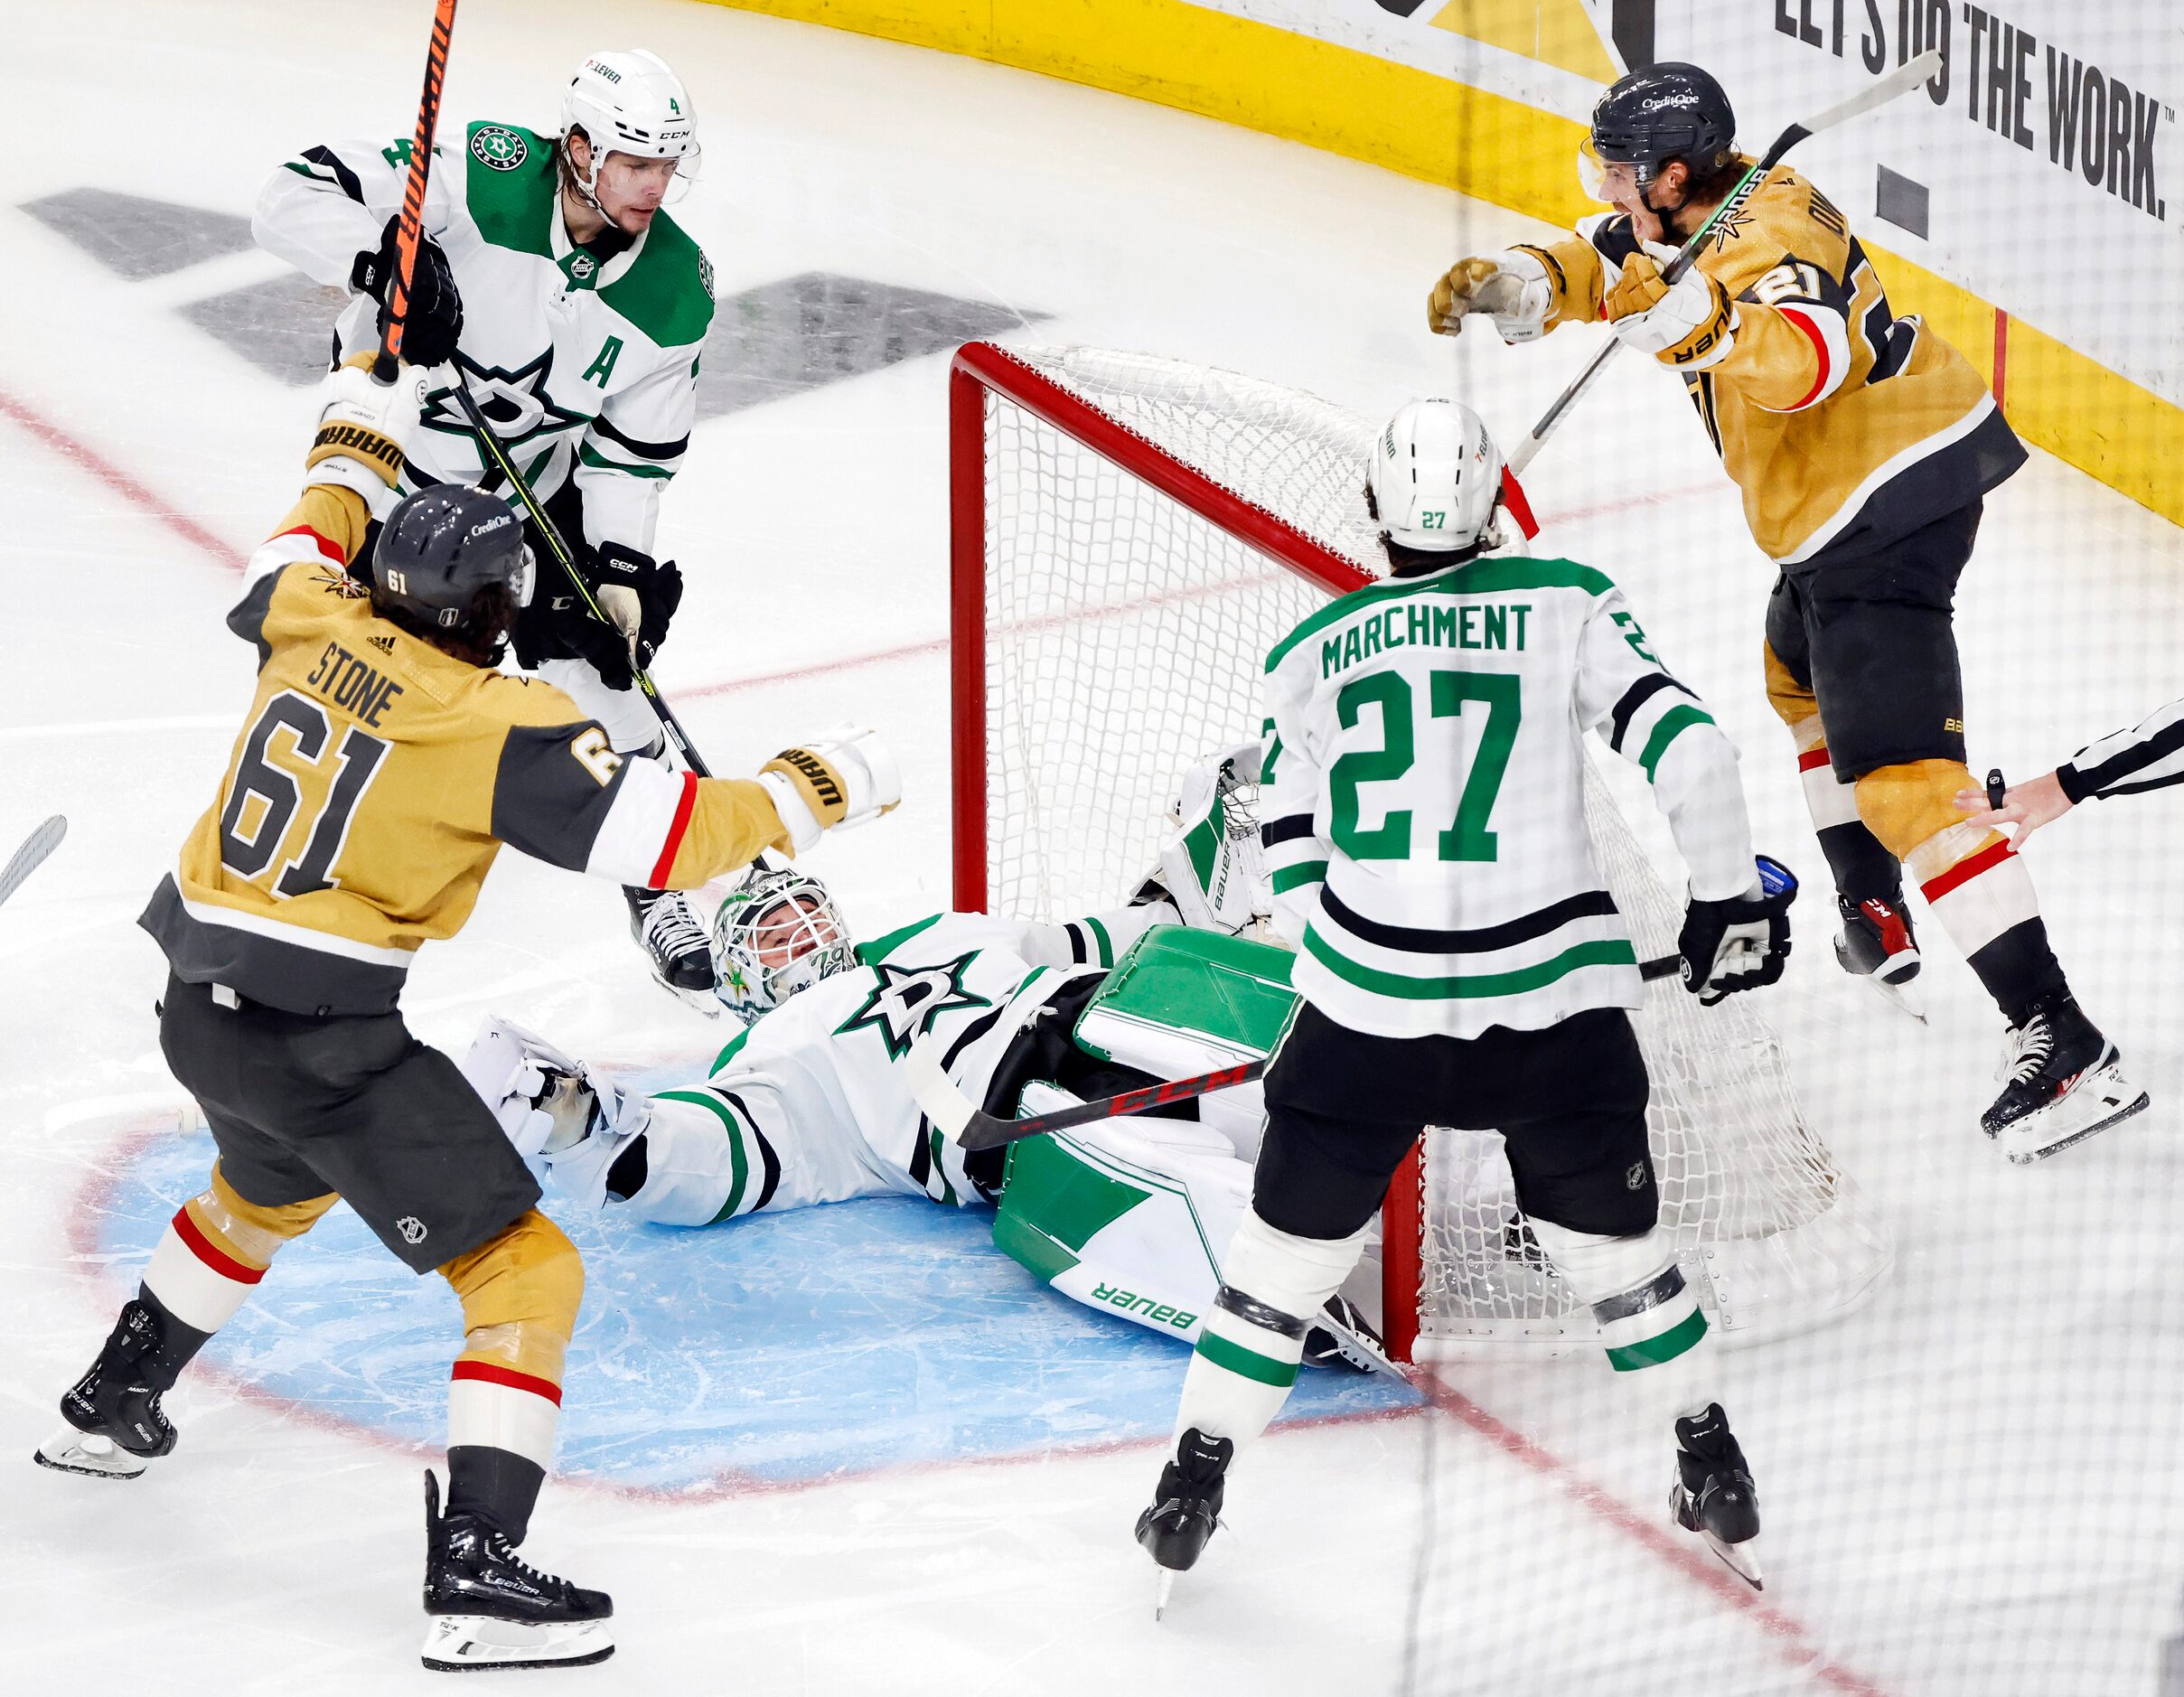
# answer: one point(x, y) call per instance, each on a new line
point(2150, 755)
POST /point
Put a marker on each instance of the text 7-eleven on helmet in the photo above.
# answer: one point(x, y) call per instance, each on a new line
point(627, 101)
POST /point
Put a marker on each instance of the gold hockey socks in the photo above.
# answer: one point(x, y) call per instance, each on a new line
point(519, 1295)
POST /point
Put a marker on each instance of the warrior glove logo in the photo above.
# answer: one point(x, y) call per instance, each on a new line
point(498, 148)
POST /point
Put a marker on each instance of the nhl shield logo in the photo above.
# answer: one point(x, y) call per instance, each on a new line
point(580, 266)
point(498, 148)
point(411, 1228)
point(1635, 1179)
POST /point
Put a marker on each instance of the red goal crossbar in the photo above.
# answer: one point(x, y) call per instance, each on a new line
point(981, 366)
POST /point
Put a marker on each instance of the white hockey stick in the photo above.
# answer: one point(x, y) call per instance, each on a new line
point(1901, 80)
point(39, 844)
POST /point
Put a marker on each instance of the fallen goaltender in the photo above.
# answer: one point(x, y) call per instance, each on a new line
point(813, 1102)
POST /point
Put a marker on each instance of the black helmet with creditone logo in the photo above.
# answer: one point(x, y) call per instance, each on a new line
point(442, 547)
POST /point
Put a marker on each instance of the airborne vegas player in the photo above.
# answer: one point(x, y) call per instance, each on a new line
point(1864, 445)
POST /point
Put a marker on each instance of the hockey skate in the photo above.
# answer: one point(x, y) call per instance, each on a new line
point(115, 1427)
point(1341, 1336)
point(2063, 1081)
point(1186, 1508)
point(1876, 945)
point(487, 1608)
point(677, 945)
point(1714, 1493)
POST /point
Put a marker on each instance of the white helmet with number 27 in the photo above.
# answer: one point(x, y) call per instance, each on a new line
point(1435, 478)
point(629, 102)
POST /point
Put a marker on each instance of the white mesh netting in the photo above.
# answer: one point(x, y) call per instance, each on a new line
point(1125, 634)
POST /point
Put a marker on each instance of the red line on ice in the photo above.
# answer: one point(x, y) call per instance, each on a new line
point(91, 460)
point(1791, 1637)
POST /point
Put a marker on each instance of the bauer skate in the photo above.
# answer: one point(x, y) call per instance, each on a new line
point(1186, 1508)
point(488, 1608)
point(1714, 1493)
point(2063, 1081)
point(1876, 945)
point(677, 945)
point(115, 1427)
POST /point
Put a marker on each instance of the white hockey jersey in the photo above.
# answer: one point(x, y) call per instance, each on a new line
point(587, 368)
point(1425, 821)
point(821, 1078)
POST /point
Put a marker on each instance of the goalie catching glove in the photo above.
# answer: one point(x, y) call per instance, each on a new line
point(1510, 288)
point(1741, 943)
point(547, 1101)
point(846, 778)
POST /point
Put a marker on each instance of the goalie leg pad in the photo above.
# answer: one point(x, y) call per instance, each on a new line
point(1161, 1200)
point(1253, 1341)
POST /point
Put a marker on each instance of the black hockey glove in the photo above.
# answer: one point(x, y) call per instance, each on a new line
point(1741, 943)
point(634, 588)
point(435, 323)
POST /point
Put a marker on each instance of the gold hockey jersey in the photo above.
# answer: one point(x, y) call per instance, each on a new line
point(375, 779)
point(1846, 427)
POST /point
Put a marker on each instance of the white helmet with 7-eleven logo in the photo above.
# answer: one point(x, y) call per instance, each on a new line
point(1435, 478)
point(630, 102)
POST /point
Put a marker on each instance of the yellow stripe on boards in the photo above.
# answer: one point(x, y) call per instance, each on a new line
point(1351, 103)
point(1559, 33)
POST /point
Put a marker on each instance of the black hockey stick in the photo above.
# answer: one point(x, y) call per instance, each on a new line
point(1901, 80)
point(26, 859)
point(490, 445)
point(972, 1128)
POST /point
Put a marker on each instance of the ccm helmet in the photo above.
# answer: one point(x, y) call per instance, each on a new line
point(1435, 478)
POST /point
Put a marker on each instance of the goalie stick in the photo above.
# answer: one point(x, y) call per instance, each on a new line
point(26, 859)
point(1901, 80)
point(970, 1127)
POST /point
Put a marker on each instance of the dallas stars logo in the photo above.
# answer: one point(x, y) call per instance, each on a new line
point(906, 1000)
point(498, 148)
point(519, 404)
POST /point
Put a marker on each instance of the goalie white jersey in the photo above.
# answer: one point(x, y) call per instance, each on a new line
point(587, 367)
point(1425, 821)
point(821, 1079)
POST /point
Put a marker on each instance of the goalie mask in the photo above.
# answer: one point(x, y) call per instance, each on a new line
point(777, 932)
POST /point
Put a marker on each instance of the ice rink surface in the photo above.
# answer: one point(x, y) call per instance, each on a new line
point(1972, 1486)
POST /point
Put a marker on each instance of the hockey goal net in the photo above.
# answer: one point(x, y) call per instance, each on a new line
point(1131, 536)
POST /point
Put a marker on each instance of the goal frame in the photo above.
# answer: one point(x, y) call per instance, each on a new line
point(982, 366)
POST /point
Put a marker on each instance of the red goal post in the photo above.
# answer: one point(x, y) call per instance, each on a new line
point(1129, 536)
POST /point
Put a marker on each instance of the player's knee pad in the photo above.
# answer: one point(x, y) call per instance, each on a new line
point(1793, 702)
point(519, 1292)
point(1904, 805)
point(248, 1231)
point(1646, 1312)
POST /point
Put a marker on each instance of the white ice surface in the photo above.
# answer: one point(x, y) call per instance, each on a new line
point(1973, 1486)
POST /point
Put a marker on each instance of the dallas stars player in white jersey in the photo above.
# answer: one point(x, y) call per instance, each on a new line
point(812, 1102)
point(575, 308)
point(1461, 960)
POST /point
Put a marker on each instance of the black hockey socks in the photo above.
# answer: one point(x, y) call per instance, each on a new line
point(494, 1486)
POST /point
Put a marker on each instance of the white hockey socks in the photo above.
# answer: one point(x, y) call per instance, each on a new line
point(1650, 1321)
point(1274, 1286)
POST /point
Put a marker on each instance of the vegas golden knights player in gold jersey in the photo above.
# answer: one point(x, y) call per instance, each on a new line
point(1863, 444)
point(383, 761)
